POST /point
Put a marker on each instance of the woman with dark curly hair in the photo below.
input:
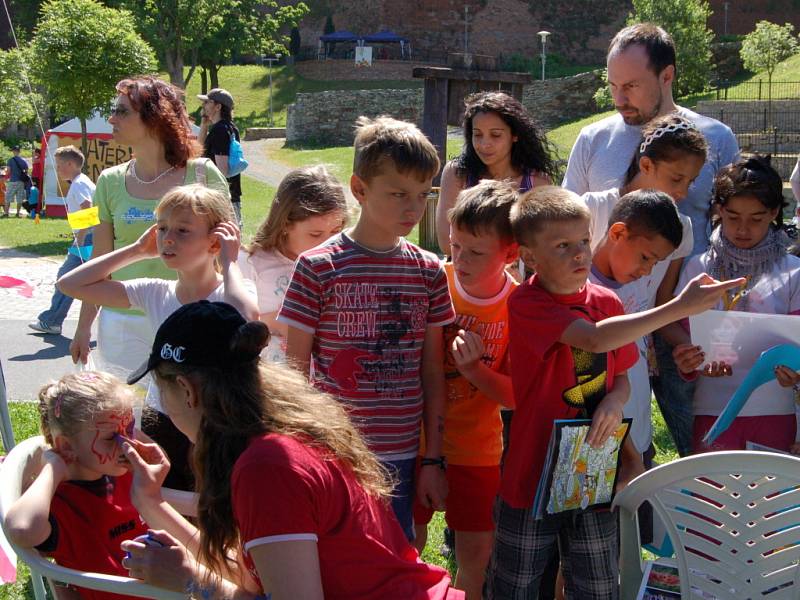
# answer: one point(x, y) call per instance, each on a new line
point(501, 141)
point(150, 117)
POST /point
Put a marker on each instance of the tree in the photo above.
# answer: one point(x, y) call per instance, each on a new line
point(766, 46)
point(686, 21)
point(294, 41)
point(329, 27)
point(82, 49)
point(250, 29)
point(18, 103)
point(208, 33)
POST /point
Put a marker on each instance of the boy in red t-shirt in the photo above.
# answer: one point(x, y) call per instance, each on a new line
point(571, 345)
point(476, 374)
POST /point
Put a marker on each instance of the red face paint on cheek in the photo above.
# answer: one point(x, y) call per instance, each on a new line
point(121, 423)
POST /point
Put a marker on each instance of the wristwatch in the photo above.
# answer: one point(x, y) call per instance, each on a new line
point(440, 462)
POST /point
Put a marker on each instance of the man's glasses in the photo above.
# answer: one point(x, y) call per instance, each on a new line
point(118, 110)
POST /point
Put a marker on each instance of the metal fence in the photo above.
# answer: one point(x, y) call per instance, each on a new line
point(757, 90)
point(763, 120)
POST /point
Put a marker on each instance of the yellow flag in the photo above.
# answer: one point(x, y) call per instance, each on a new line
point(82, 219)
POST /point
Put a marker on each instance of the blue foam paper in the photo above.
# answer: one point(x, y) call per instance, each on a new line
point(763, 371)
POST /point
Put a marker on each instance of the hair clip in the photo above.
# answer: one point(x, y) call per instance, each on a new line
point(665, 129)
point(57, 406)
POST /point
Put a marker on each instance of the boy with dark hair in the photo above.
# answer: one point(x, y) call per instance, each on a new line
point(644, 229)
point(570, 348)
point(366, 310)
point(476, 374)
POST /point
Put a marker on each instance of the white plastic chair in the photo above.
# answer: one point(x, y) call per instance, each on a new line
point(734, 521)
point(14, 471)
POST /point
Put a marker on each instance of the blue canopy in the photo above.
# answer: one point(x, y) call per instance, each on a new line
point(339, 36)
point(384, 36)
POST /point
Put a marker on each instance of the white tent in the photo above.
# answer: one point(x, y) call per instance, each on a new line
point(102, 153)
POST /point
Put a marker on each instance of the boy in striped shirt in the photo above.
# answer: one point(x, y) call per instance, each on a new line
point(366, 312)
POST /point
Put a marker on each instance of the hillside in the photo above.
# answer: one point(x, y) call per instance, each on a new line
point(249, 85)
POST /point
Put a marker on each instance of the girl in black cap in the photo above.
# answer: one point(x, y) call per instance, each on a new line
point(287, 488)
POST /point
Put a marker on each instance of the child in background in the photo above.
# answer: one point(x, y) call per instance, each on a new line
point(195, 235)
point(366, 310)
point(78, 509)
point(476, 375)
point(750, 243)
point(669, 158)
point(309, 207)
point(570, 348)
point(69, 162)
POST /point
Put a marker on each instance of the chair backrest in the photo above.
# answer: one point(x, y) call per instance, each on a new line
point(15, 471)
point(734, 520)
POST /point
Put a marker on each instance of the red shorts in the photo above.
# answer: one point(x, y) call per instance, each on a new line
point(775, 431)
point(470, 499)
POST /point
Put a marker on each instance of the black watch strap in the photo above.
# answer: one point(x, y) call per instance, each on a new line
point(434, 462)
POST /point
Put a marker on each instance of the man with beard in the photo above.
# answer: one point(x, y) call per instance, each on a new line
point(641, 71)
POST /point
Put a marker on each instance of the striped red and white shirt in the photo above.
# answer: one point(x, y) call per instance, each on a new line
point(368, 312)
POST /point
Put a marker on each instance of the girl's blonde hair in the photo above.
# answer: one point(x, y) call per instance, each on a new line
point(201, 200)
point(303, 193)
point(247, 400)
point(66, 406)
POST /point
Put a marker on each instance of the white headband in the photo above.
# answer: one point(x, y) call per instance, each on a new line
point(663, 130)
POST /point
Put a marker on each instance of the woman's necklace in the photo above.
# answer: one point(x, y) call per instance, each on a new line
point(142, 181)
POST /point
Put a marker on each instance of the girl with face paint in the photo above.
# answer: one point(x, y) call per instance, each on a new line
point(77, 508)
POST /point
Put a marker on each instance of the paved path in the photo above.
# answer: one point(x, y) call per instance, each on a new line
point(29, 359)
point(261, 166)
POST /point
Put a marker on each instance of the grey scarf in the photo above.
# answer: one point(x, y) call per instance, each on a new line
point(726, 261)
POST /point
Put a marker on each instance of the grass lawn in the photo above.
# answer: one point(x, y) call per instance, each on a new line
point(340, 158)
point(51, 237)
point(25, 420)
point(249, 85)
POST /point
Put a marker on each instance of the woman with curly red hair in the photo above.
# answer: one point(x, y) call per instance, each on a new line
point(149, 116)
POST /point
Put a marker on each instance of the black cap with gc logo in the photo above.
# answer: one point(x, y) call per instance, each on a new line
point(198, 335)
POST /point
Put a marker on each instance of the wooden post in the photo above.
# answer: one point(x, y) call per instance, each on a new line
point(434, 117)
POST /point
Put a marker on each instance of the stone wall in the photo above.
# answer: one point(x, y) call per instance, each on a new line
point(346, 70)
point(328, 117)
point(580, 29)
point(555, 100)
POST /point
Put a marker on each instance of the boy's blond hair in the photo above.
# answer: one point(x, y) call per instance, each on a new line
point(542, 205)
point(485, 207)
point(384, 138)
point(70, 153)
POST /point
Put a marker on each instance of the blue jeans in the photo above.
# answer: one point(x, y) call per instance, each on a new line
point(60, 303)
point(403, 495)
point(674, 396)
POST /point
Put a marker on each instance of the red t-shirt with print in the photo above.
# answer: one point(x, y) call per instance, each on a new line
point(90, 519)
point(552, 380)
